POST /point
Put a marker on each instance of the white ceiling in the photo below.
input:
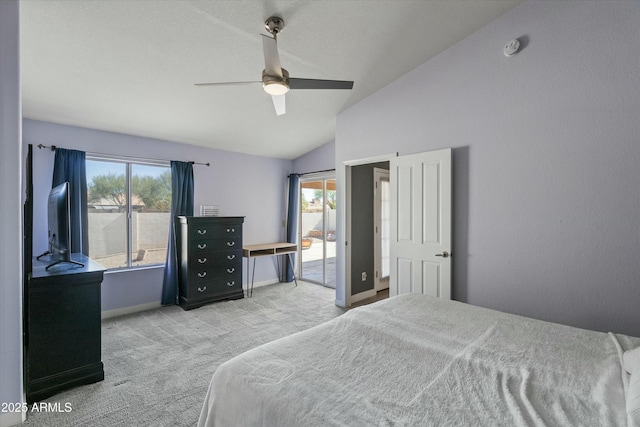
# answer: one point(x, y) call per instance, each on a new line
point(129, 66)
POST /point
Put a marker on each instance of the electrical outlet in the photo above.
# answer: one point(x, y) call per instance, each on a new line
point(364, 276)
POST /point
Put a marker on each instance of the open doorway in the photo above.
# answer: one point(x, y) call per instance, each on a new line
point(420, 221)
point(365, 232)
point(318, 230)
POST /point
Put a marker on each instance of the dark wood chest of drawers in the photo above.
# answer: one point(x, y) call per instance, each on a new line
point(210, 256)
point(62, 335)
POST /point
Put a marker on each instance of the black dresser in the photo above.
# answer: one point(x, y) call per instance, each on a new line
point(62, 336)
point(210, 256)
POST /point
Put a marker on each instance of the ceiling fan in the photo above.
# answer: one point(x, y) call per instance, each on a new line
point(275, 79)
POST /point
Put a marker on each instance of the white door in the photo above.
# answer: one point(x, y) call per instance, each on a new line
point(381, 227)
point(421, 224)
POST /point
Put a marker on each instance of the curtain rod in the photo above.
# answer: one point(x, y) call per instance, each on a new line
point(308, 173)
point(53, 148)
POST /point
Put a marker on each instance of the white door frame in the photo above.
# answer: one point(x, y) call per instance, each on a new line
point(346, 224)
point(379, 175)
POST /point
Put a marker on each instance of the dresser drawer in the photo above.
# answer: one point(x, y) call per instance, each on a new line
point(215, 287)
point(208, 259)
point(205, 231)
point(220, 271)
point(216, 244)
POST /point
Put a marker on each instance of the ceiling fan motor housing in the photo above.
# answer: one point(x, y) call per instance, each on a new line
point(274, 25)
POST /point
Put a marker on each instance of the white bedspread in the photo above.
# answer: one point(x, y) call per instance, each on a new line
point(415, 360)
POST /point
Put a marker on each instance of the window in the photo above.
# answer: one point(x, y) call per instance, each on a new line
point(129, 212)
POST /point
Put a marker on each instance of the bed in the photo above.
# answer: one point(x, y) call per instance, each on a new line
point(416, 360)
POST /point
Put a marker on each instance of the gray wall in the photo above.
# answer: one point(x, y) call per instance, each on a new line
point(362, 235)
point(546, 159)
point(240, 184)
point(11, 212)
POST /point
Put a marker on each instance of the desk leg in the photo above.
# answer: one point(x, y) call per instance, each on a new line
point(248, 263)
point(293, 270)
point(253, 276)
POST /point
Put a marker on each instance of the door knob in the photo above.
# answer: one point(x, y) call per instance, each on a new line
point(444, 254)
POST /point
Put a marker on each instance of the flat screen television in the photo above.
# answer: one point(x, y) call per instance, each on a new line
point(59, 226)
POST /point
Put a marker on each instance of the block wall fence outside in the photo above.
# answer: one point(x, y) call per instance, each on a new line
point(313, 221)
point(150, 230)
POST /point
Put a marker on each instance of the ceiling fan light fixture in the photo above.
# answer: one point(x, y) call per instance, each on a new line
point(275, 85)
point(275, 88)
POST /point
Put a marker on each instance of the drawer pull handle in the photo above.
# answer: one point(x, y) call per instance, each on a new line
point(231, 243)
point(231, 283)
point(202, 231)
point(231, 256)
point(202, 289)
point(231, 230)
point(230, 270)
point(202, 274)
point(202, 246)
point(202, 261)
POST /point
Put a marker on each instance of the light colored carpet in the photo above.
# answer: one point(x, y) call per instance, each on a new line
point(158, 363)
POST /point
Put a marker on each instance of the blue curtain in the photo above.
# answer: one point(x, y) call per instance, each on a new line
point(292, 218)
point(70, 166)
point(181, 204)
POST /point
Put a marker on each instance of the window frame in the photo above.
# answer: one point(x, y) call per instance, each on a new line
point(129, 162)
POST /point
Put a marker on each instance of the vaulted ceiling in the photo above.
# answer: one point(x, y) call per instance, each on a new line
point(129, 66)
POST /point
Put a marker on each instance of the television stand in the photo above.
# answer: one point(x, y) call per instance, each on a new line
point(43, 254)
point(64, 260)
point(70, 261)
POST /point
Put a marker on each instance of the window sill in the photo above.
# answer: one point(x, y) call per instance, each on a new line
point(137, 268)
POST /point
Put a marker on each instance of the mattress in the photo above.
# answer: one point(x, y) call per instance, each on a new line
point(415, 360)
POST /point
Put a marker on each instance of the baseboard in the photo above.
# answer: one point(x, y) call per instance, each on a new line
point(107, 314)
point(362, 295)
point(263, 283)
point(9, 419)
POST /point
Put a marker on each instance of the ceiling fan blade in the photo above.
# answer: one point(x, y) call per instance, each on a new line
point(226, 83)
point(272, 65)
point(279, 104)
point(319, 84)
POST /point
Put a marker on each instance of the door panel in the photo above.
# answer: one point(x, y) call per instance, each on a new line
point(430, 278)
point(421, 224)
point(405, 275)
point(404, 210)
point(431, 203)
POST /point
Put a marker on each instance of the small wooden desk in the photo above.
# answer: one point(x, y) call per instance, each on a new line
point(267, 249)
